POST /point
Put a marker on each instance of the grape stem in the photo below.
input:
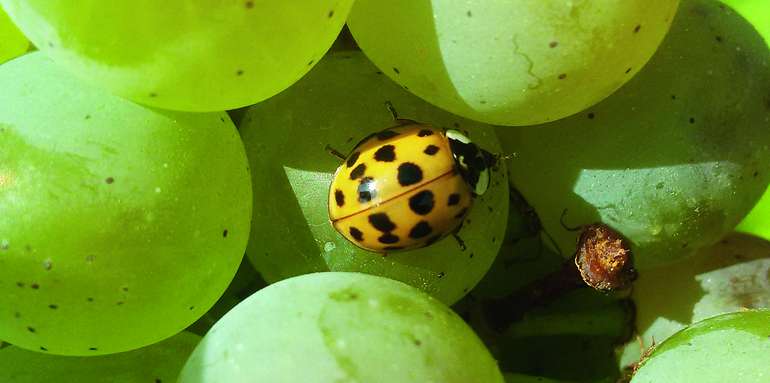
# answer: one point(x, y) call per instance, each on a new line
point(603, 261)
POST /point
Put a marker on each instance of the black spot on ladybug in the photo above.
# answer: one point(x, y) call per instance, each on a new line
point(366, 190)
point(432, 240)
point(454, 199)
point(424, 133)
point(421, 230)
point(339, 196)
point(356, 234)
point(461, 214)
point(422, 202)
point(386, 134)
point(409, 174)
point(352, 159)
point(388, 238)
point(431, 150)
point(393, 248)
point(358, 172)
point(386, 153)
point(382, 222)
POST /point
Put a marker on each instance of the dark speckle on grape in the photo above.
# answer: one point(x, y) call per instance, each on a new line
point(34, 286)
point(239, 72)
point(31, 329)
point(331, 14)
point(109, 180)
point(628, 70)
point(396, 70)
point(692, 120)
point(249, 4)
point(562, 76)
point(153, 95)
point(553, 44)
point(469, 14)
point(92, 349)
point(637, 28)
point(224, 233)
point(53, 307)
point(591, 116)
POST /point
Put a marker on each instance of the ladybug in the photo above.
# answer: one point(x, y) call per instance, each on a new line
point(406, 187)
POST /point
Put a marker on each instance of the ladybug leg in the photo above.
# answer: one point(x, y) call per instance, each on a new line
point(394, 114)
point(459, 241)
point(334, 152)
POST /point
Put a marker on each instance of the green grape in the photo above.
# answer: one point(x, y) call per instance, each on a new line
point(159, 363)
point(728, 348)
point(729, 276)
point(341, 101)
point(201, 55)
point(340, 327)
point(121, 224)
point(758, 220)
point(511, 62)
point(755, 11)
point(12, 41)
point(674, 159)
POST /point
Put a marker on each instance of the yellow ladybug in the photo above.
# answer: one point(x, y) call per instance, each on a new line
point(407, 187)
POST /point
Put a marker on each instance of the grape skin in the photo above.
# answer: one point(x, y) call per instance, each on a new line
point(341, 101)
point(726, 348)
point(329, 327)
point(12, 41)
point(514, 62)
point(158, 363)
point(125, 227)
point(198, 56)
point(671, 165)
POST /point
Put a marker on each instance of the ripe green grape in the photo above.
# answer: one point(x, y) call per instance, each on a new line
point(674, 159)
point(12, 41)
point(729, 276)
point(728, 348)
point(159, 363)
point(200, 55)
point(755, 11)
point(121, 224)
point(335, 327)
point(511, 62)
point(758, 220)
point(341, 101)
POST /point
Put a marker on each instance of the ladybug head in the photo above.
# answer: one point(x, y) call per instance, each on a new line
point(472, 162)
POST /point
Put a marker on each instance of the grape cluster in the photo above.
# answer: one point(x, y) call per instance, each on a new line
point(583, 182)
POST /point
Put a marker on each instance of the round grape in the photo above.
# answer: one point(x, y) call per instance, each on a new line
point(158, 363)
point(121, 224)
point(334, 327)
point(728, 348)
point(511, 62)
point(12, 41)
point(199, 55)
point(340, 102)
point(674, 159)
point(728, 276)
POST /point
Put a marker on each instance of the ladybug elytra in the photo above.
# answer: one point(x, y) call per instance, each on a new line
point(407, 187)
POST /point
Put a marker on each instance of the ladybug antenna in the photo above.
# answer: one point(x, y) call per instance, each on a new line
point(334, 152)
point(564, 225)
